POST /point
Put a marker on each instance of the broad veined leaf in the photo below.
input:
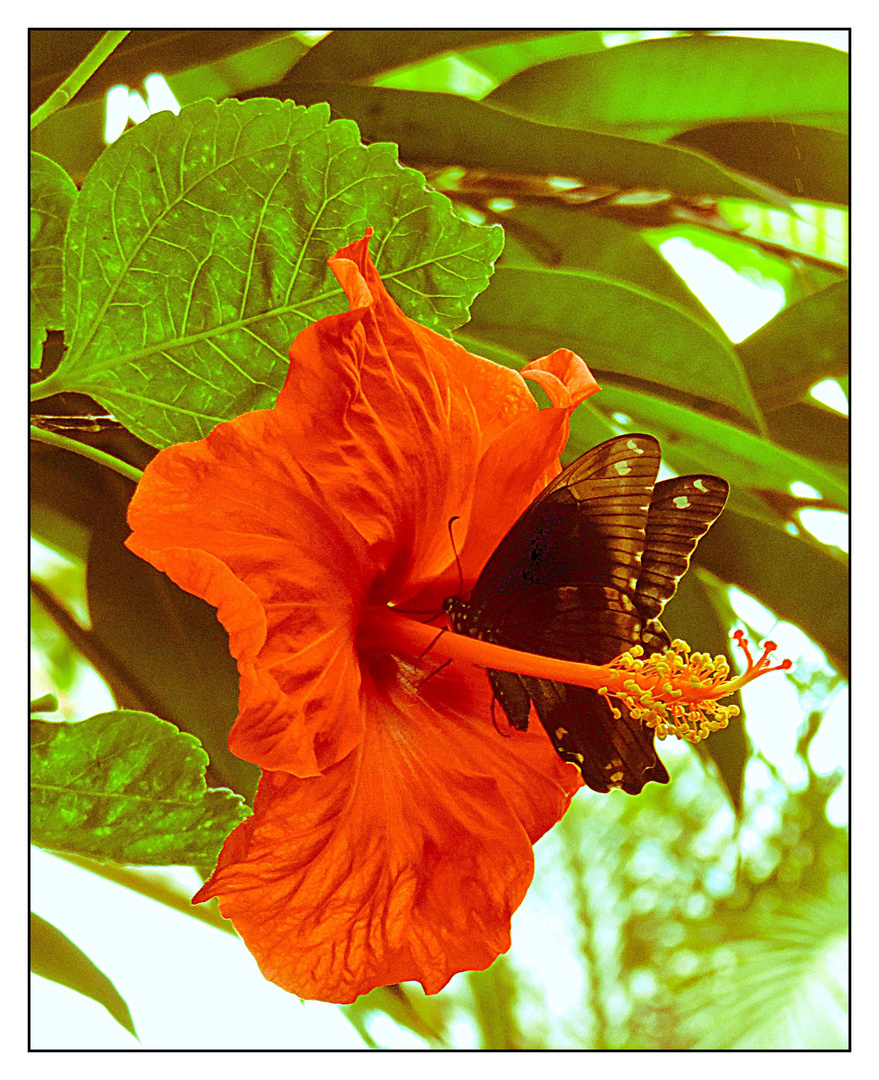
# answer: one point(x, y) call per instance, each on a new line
point(620, 329)
point(806, 162)
point(199, 246)
point(803, 344)
point(346, 55)
point(444, 129)
point(52, 196)
point(654, 89)
point(127, 787)
point(573, 238)
point(54, 956)
point(692, 442)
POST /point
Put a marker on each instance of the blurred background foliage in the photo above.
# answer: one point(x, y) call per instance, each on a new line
point(674, 204)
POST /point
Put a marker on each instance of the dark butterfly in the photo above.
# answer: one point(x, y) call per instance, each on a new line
point(584, 575)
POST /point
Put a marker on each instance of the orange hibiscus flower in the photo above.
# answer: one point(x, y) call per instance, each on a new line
point(392, 832)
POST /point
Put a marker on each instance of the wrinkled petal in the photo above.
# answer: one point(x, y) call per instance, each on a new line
point(404, 861)
point(393, 416)
point(233, 519)
point(566, 380)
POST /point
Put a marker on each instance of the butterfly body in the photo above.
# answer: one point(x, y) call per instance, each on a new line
point(583, 575)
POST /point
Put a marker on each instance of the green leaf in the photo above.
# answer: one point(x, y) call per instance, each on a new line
point(803, 344)
point(700, 614)
point(127, 787)
point(693, 442)
point(52, 196)
point(198, 249)
point(653, 89)
point(806, 162)
point(444, 129)
point(813, 431)
point(503, 61)
point(475, 72)
point(161, 649)
point(55, 957)
point(800, 581)
point(619, 329)
point(346, 55)
point(572, 238)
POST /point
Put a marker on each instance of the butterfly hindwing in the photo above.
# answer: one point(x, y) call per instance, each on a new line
point(610, 751)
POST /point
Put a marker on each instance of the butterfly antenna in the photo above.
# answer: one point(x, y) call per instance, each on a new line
point(452, 521)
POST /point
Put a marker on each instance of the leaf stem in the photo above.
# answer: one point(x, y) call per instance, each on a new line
point(52, 438)
point(153, 887)
point(81, 75)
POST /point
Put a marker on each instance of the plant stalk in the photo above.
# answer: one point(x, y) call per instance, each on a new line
point(81, 75)
point(52, 438)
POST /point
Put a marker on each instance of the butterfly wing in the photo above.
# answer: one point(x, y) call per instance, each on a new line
point(587, 527)
point(616, 751)
point(583, 575)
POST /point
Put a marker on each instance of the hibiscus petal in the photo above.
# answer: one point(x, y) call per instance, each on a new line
point(232, 519)
point(564, 377)
point(404, 861)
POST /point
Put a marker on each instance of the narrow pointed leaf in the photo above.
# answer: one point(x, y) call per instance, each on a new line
point(621, 329)
point(696, 443)
point(652, 89)
point(444, 129)
point(55, 53)
point(571, 238)
point(199, 247)
point(347, 55)
point(694, 615)
point(55, 957)
point(805, 343)
point(52, 196)
point(128, 787)
point(806, 162)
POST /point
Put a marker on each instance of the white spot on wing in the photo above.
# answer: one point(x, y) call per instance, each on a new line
point(681, 502)
point(622, 468)
point(699, 486)
point(632, 445)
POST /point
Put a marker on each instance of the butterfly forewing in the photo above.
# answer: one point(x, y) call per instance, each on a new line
point(587, 526)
